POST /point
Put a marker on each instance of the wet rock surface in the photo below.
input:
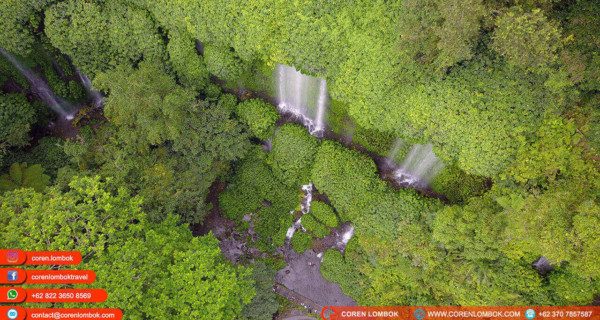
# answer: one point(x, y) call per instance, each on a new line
point(302, 275)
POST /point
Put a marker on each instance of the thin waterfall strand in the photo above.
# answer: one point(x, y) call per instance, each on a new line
point(39, 87)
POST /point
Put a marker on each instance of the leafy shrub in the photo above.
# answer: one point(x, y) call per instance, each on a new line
point(282, 197)
point(267, 223)
point(285, 222)
point(374, 140)
point(48, 153)
point(22, 176)
point(275, 262)
point(569, 288)
point(338, 119)
point(457, 185)
point(249, 186)
point(528, 40)
point(347, 177)
point(116, 33)
point(264, 244)
point(260, 116)
point(223, 62)
point(16, 117)
point(312, 225)
point(324, 213)
point(301, 241)
point(242, 226)
point(264, 304)
point(185, 60)
point(228, 102)
point(252, 183)
point(335, 268)
point(293, 154)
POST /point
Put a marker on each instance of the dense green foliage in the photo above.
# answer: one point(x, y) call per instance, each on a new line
point(263, 304)
point(505, 91)
point(16, 117)
point(458, 185)
point(293, 154)
point(311, 224)
point(259, 116)
point(301, 241)
point(23, 176)
point(252, 183)
point(153, 112)
point(527, 39)
point(115, 34)
point(143, 265)
point(324, 213)
point(338, 269)
point(48, 152)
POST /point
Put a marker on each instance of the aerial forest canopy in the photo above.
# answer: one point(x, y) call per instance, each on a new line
point(506, 94)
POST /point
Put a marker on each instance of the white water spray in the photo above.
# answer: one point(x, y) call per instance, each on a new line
point(39, 87)
point(305, 205)
point(419, 167)
point(398, 144)
point(87, 83)
point(307, 200)
point(303, 96)
point(321, 104)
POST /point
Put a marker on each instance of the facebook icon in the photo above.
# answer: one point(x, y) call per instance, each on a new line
point(12, 276)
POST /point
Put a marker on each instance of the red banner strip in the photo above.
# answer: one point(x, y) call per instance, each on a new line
point(12, 294)
point(12, 313)
point(12, 257)
point(60, 276)
point(439, 313)
point(12, 276)
point(112, 314)
point(66, 295)
point(53, 258)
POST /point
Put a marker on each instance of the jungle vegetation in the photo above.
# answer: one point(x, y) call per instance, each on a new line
point(508, 93)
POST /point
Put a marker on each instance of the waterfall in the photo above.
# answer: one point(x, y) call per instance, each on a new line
point(398, 144)
point(40, 88)
point(305, 205)
point(306, 202)
point(302, 96)
point(420, 167)
point(321, 104)
point(96, 96)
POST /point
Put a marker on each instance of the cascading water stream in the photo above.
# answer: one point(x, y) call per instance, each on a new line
point(321, 104)
point(398, 144)
point(303, 96)
point(96, 96)
point(305, 207)
point(420, 167)
point(40, 88)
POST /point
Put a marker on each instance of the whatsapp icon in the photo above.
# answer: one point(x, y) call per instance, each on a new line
point(12, 294)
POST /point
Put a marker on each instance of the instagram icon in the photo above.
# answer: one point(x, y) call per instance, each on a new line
point(12, 257)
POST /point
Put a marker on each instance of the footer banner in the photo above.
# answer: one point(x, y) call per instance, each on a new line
point(433, 313)
point(18, 313)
